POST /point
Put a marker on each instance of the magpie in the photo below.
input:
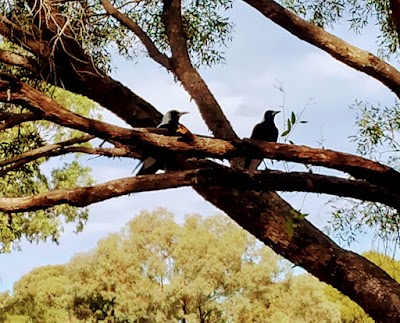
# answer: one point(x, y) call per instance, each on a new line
point(170, 121)
point(266, 131)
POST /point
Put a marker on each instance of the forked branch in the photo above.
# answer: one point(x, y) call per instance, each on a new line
point(153, 51)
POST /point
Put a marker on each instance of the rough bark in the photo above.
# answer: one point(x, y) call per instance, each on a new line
point(265, 215)
point(188, 75)
point(161, 146)
point(211, 176)
point(9, 120)
point(16, 60)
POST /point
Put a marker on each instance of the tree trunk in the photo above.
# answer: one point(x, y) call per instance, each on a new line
point(267, 216)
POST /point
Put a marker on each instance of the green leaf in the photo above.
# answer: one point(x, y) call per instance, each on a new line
point(289, 125)
point(293, 117)
point(285, 133)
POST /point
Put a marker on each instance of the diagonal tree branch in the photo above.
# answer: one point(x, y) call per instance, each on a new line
point(189, 77)
point(152, 50)
point(350, 55)
point(23, 38)
point(263, 214)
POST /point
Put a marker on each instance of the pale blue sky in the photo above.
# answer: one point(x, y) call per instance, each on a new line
point(261, 56)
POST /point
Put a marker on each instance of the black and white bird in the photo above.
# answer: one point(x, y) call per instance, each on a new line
point(266, 130)
point(170, 121)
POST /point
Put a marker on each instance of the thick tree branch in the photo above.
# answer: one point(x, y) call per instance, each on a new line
point(218, 175)
point(395, 15)
point(350, 55)
point(152, 50)
point(189, 77)
point(159, 145)
point(266, 216)
point(262, 214)
point(314, 183)
point(9, 120)
point(83, 196)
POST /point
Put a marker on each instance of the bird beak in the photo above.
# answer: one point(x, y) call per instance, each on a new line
point(275, 113)
point(182, 113)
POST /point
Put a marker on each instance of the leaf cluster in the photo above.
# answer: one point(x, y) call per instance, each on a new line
point(207, 28)
point(31, 178)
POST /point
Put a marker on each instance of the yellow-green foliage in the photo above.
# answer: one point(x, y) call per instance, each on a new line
point(156, 270)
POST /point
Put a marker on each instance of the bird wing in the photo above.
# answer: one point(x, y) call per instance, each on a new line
point(265, 131)
point(148, 166)
point(257, 132)
point(185, 133)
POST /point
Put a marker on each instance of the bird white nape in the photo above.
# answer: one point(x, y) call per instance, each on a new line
point(170, 121)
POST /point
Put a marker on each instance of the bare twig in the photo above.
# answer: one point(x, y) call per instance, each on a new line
point(153, 51)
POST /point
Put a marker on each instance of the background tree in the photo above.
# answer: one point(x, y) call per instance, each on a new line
point(155, 270)
point(64, 43)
